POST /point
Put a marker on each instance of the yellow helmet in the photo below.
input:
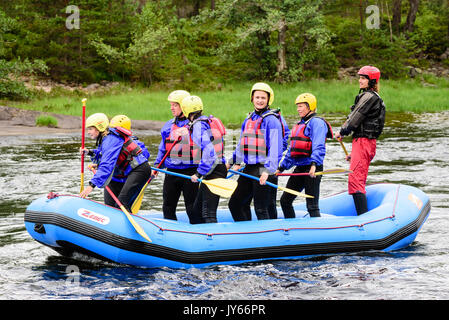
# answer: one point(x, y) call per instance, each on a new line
point(261, 86)
point(307, 98)
point(191, 104)
point(177, 96)
point(99, 121)
point(120, 121)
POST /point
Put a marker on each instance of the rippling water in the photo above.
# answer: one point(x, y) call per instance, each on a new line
point(413, 150)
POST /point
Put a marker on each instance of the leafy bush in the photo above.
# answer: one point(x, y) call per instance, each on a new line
point(46, 121)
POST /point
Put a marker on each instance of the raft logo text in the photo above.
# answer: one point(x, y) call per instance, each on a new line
point(227, 310)
point(93, 216)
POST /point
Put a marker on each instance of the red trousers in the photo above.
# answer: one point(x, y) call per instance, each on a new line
point(362, 153)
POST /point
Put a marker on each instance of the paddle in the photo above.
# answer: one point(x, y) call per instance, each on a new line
point(219, 186)
point(330, 171)
point(232, 174)
point(136, 226)
point(343, 146)
point(138, 202)
point(296, 193)
point(83, 133)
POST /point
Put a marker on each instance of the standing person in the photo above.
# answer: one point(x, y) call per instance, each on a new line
point(260, 148)
point(122, 164)
point(366, 122)
point(206, 139)
point(119, 177)
point(306, 152)
point(179, 160)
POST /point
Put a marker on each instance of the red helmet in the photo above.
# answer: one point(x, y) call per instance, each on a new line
point(371, 72)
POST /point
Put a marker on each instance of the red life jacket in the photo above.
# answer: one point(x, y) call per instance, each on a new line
point(252, 141)
point(185, 150)
point(130, 149)
point(218, 131)
point(300, 144)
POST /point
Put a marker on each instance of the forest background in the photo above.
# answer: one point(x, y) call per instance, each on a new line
point(205, 44)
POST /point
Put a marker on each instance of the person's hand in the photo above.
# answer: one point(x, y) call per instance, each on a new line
point(337, 135)
point(83, 151)
point(263, 178)
point(92, 167)
point(194, 178)
point(276, 173)
point(312, 172)
point(86, 191)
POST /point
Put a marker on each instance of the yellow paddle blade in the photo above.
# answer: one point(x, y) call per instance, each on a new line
point(138, 202)
point(221, 186)
point(296, 193)
point(135, 224)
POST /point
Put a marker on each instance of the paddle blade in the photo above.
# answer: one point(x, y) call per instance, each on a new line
point(221, 186)
point(136, 226)
point(296, 193)
point(138, 202)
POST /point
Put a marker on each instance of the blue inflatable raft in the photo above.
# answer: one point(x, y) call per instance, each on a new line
point(71, 224)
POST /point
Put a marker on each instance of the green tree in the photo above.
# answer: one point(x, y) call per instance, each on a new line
point(11, 69)
point(280, 39)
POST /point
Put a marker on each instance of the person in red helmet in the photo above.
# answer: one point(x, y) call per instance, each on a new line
point(365, 122)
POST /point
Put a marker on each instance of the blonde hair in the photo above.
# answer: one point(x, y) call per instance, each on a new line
point(104, 133)
point(376, 87)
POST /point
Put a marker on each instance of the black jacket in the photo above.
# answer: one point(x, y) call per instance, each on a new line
point(367, 116)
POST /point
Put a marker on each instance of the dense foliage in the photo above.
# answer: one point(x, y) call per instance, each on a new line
point(201, 43)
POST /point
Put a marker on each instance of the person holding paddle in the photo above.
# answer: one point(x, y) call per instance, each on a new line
point(206, 139)
point(306, 152)
point(175, 137)
point(260, 147)
point(121, 163)
point(366, 122)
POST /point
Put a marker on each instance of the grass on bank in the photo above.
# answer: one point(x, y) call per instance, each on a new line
point(46, 121)
point(232, 102)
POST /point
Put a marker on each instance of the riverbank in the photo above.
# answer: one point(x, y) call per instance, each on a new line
point(148, 107)
point(17, 121)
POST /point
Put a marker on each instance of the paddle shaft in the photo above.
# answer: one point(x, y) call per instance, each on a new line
point(138, 202)
point(253, 177)
point(343, 146)
point(165, 156)
point(83, 134)
point(175, 174)
point(272, 184)
point(300, 174)
point(136, 226)
point(334, 171)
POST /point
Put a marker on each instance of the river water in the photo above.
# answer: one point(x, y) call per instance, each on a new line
point(413, 150)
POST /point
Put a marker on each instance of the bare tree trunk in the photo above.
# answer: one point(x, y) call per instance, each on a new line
point(389, 22)
point(397, 16)
point(282, 61)
point(447, 15)
point(362, 7)
point(410, 23)
point(212, 5)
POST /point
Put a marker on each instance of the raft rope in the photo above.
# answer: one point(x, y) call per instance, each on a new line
point(53, 195)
